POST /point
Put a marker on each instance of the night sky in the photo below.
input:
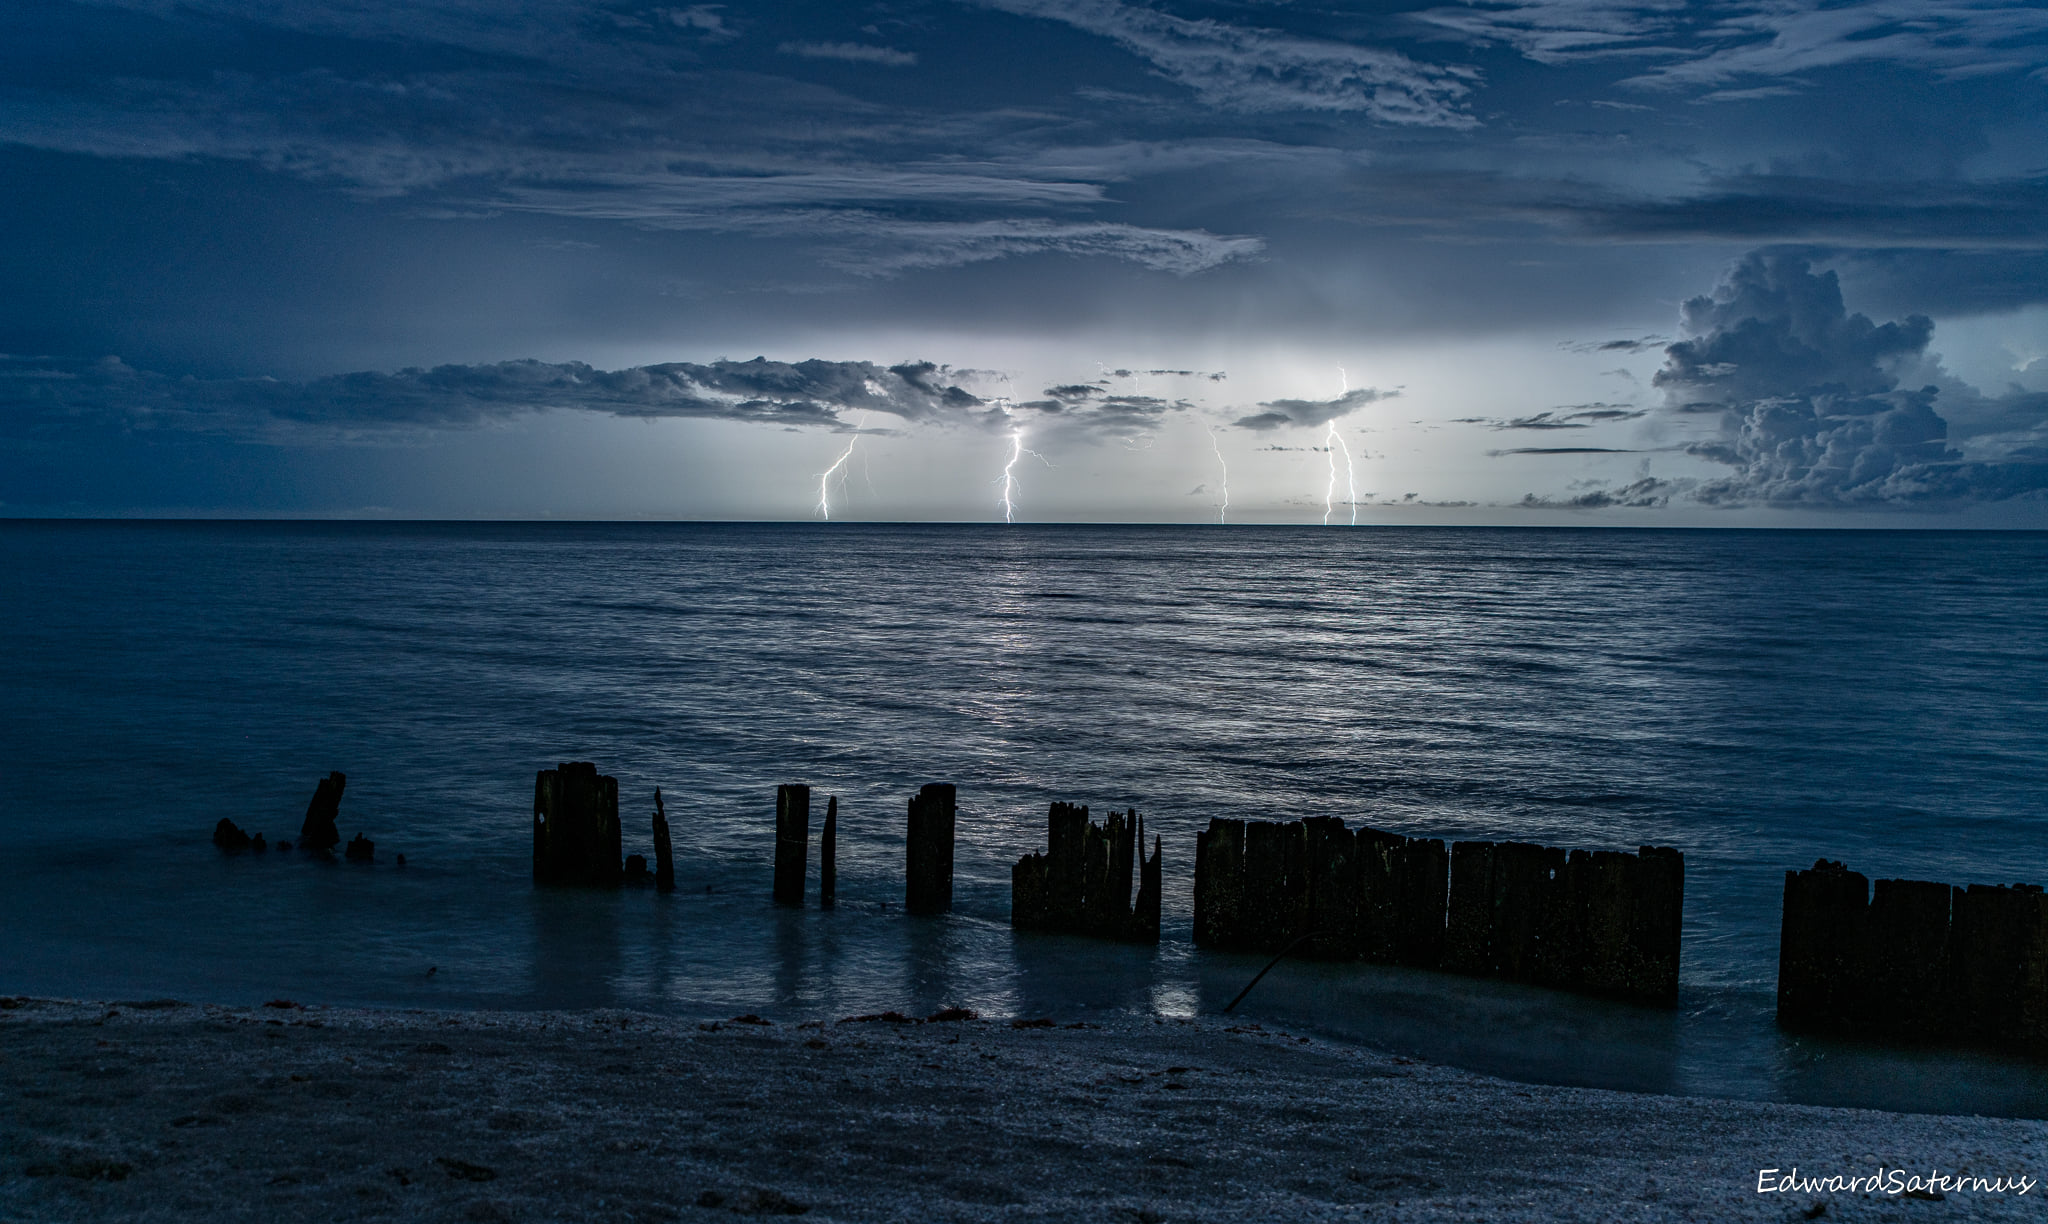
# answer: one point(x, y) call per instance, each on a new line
point(1760, 262)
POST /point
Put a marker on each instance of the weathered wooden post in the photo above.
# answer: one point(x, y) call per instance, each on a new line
point(576, 837)
point(1996, 945)
point(664, 858)
point(1821, 946)
point(1527, 887)
point(1269, 898)
point(1145, 914)
point(1903, 986)
point(319, 831)
point(1659, 924)
point(1219, 885)
point(1421, 870)
point(1066, 867)
point(828, 856)
point(928, 882)
point(1468, 942)
point(792, 841)
point(1330, 858)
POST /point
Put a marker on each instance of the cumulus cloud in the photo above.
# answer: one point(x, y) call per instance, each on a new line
point(1285, 412)
point(813, 393)
point(1236, 68)
point(1811, 406)
point(1643, 493)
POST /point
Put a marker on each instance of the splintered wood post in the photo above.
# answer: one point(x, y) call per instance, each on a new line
point(1995, 947)
point(664, 858)
point(792, 841)
point(928, 879)
point(1145, 916)
point(319, 831)
point(1267, 924)
point(1219, 885)
point(576, 836)
point(1821, 947)
point(828, 856)
point(1525, 890)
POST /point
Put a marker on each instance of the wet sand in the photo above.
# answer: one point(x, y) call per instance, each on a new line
point(174, 1112)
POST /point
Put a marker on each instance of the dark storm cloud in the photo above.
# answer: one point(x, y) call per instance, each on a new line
point(1811, 405)
point(806, 393)
point(1290, 412)
point(1946, 214)
point(1091, 412)
point(1645, 493)
point(1562, 450)
point(1580, 416)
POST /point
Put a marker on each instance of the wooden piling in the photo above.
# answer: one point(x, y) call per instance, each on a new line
point(319, 830)
point(792, 841)
point(1066, 854)
point(1421, 873)
point(1468, 946)
point(928, 882)
point(828, 856)
point(1145, 913)
point(664, 859)
point(1377, 936)
point(576, 837)
point(1821, 946)
point(1903, 991)
point(1331, 889)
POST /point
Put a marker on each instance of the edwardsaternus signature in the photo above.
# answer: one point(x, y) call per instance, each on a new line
point(1891, 1181)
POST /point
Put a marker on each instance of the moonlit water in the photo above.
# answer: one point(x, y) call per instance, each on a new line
point(1757, 699)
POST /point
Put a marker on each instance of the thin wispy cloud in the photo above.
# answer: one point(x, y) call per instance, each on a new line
point(852, 53)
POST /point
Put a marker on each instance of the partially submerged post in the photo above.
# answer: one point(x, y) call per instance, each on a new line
point(319, 831)
point(1082, 884)
point(792, 841)
point(664, 860)
point(576, 837)
point(928, 883)
point(828, 852)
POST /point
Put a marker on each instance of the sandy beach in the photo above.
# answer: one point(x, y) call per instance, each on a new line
point(170, 1111)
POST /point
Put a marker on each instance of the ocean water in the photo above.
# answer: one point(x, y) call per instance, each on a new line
point(1757, 699)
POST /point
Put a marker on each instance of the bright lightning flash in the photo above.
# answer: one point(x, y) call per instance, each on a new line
point(1334, 444)
point(825, 477)
point(1017, 451)
point(1223, 512)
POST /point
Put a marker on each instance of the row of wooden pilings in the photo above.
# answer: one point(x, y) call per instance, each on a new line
point(1910, 961)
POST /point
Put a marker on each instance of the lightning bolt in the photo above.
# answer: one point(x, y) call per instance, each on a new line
point(1018, 450)
point(1223, 513)
point(1009, 503)
point(825, 477)
point(1334, 443)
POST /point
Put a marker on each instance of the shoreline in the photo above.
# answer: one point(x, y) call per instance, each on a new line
point(176, 1111)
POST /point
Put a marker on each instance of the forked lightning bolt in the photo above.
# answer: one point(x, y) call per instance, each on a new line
point(1335, 444)
point(825, 477)
point(1017, 451)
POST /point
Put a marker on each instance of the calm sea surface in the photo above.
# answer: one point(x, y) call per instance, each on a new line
point(1758, 700)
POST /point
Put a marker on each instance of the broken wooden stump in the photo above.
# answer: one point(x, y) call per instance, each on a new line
point(828, 856)
point(576, 837)
point(928, 879)
point(1219, 884)
point(1081, 885)
point(1913, 961)
point(361, 850)
point(229, 836)
point(792, 841)
point(664, 858)
point(319, 831)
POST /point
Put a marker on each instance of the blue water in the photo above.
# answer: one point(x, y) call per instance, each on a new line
point(1757, 699)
